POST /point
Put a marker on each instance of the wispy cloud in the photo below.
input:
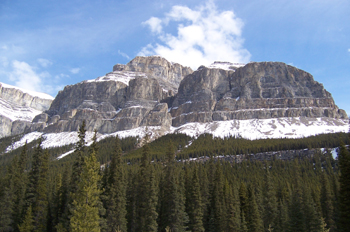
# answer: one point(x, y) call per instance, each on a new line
point(44, 62)
point(203, 35)
point(25, 77)
point(123, 54)
point(155, 24)
point(349, 50)
point(75, 70)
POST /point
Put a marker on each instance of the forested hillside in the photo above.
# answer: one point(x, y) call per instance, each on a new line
point(112, 186)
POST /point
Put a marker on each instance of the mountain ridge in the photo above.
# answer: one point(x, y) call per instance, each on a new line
point(155, 93)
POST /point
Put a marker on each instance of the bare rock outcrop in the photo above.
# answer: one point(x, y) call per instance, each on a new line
point(257, 90)
point(18, 107)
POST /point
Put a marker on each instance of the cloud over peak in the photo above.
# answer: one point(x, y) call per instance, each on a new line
point(203, 35)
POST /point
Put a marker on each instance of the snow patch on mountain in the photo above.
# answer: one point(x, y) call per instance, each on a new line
point(226, 65)
point(15, 112)
point(250, 129)
point(32, 93)
point(266, 128)
point(121, 76)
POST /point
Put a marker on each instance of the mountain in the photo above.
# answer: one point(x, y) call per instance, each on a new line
point(18, 107)
point(254, 100)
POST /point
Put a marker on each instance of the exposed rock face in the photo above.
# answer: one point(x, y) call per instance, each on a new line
point(150, 91)
point(156, 67)
point(18, 108)
point(257, 90)
point(126, 98)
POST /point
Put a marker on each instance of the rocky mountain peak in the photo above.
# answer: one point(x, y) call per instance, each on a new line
point(151, 91)
point(156, 67)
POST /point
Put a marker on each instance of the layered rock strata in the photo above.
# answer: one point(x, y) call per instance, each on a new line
point(132, 95)
point(18, 108)
point(257, 90)
point(150, 91)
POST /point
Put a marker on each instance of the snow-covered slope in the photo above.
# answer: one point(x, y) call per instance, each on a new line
point(121, 76)
point(16, 112)
point(32, 93)
point(226, 65)
point(250, 129)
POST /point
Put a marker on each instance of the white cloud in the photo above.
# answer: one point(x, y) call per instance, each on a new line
point(44, 62)
point(123, 54)
point(203, 35)
point(155, 24)
point(349, 50)
point(4, 47)
point(75, 70)
point(25, 77)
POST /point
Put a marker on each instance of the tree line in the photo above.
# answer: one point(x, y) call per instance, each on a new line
point(80, 194)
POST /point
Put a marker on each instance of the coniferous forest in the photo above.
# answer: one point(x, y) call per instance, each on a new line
point(112, 186)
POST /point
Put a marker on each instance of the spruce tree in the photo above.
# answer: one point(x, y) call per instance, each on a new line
point(327, 202)
point(41, 199)
point(270, 203)
point(85, 211)
point(27, 224)
point(233, 209)
point(173, 201)
point(147, 196)
point(344, 193)
point(116, 207)
point(255, 223)
point(195, 204)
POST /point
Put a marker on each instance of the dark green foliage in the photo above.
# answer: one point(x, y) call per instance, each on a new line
point(270, 203)
point(344, 193)
point(147, 196)
point(116, 192)
point(172, 200)
point(155, 187)
point(195, 205)
point(84, 211)
point(255, 222)
point(327, 202)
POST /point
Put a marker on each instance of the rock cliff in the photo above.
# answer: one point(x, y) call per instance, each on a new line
point(132, 95)
point(257, 90)
point(18, 108)
point(150, 91)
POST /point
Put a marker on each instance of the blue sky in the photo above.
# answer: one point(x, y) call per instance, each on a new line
point(47, 44)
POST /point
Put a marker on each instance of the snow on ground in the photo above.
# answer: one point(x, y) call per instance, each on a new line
point(32, 93)
point(121, 76)
point(226, 65)
point(17, 112)
point(266, 128)
point(250, 129)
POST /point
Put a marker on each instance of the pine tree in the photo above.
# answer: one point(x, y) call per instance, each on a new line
point(243, 198)
point(326, 202)
point(79, 162)
point(344, 193)
point(233, 210)
point(85, 212)
point(27, 225)
point(312, 217)
point(147, 197)
point(282, 217)
point(195, 204)
point(270, 203)
point(173, 202)
point(41, 199)
point(116, 207)
point(217, 205)
point(6, 209)
point(255, 223)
